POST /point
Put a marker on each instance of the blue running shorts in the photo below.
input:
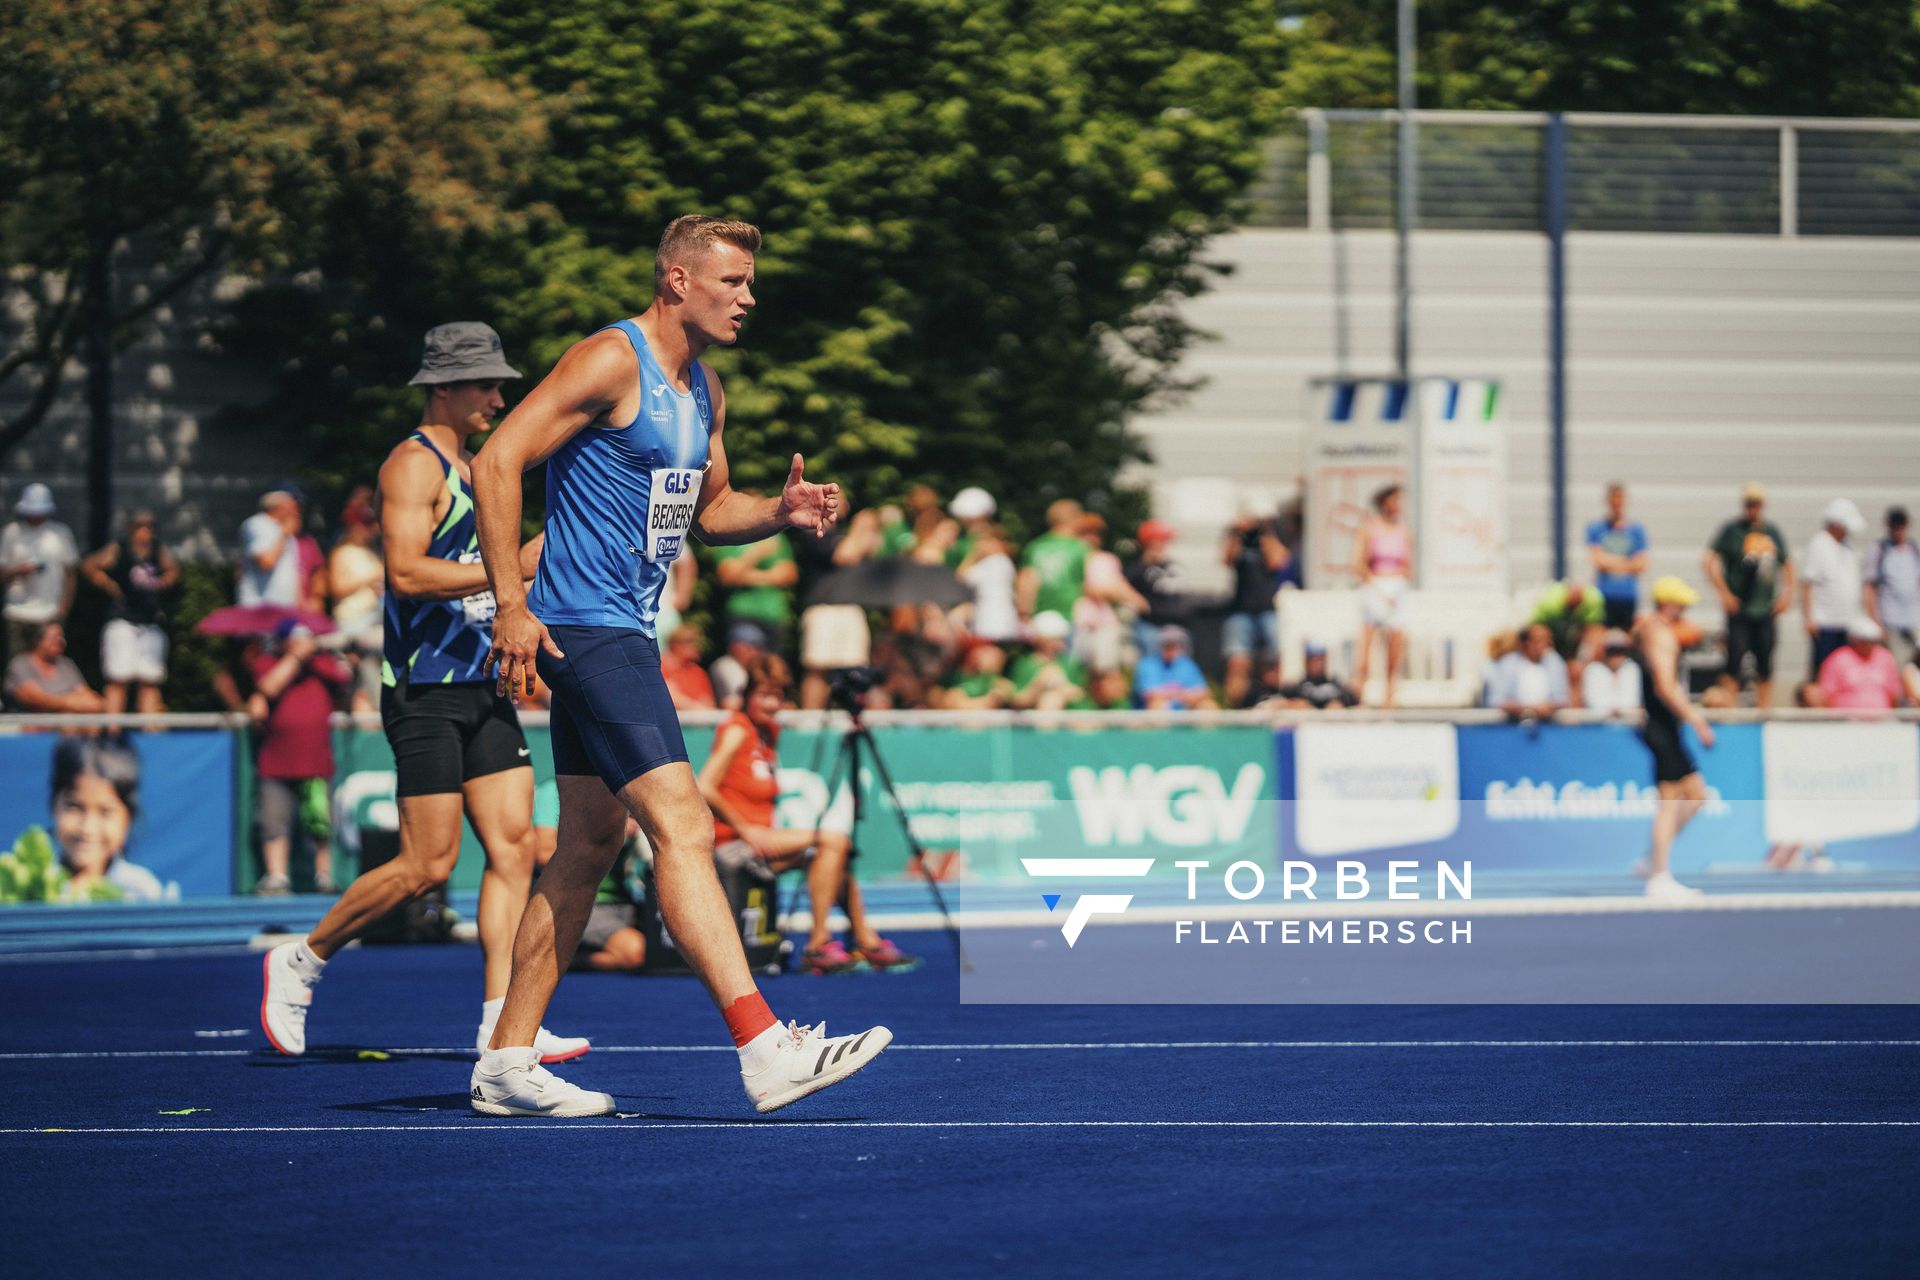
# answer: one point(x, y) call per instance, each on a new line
point(612, 714)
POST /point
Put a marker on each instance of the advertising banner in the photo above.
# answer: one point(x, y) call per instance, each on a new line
point(143, 817)
point(1549, 797)
point(1852, 789)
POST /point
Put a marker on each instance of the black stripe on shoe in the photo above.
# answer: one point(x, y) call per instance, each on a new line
point(862, 1040)
point(844, 1046)
point(821, 1065)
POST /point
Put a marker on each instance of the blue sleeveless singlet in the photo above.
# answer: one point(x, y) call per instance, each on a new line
point(441, 641)
point(620, 502)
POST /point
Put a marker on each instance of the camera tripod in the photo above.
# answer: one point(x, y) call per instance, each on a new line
point(856, 745)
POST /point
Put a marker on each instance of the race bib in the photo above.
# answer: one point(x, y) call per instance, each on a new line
point(670, 503)
point(478, 609)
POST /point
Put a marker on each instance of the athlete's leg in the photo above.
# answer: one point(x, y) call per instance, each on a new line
point(1667, 821)
point(1693, 790)
point(667, 803)
point(500, 807)
point(148, 700)
point(429, 846)
point(593, 825)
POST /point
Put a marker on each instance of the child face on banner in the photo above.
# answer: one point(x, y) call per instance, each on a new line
point(90, 824)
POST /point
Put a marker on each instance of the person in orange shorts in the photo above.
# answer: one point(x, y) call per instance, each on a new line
point(740, 781)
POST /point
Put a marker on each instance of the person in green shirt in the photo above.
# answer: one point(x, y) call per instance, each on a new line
point(1576, 614)
point(1049, 678)
point(981, 683)
point(759, 578)
point(1053, 571)
point(1747, 563)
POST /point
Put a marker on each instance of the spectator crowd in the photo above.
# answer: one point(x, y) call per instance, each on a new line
point(951, 611)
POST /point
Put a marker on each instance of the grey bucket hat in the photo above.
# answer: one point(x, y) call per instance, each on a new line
point(464, 351)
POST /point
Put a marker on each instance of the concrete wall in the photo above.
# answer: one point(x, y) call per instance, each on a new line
point(1695, 363)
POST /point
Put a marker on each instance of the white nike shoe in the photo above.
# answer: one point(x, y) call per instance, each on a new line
point(552, 1048)
point(807, 1062)
point(525, 1088)
point(284, 1001)
point(1664, 888)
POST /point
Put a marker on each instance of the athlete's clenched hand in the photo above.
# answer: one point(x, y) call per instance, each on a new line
point(805, 505)
point(518, 637)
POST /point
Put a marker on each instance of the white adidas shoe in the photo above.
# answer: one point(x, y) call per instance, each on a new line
point(552, 1048)
point(284, 1001)
point(807, 1062)
point(525, 1088)
point(1664, 888)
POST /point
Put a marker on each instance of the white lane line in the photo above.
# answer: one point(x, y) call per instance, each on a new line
point(1060, 1046)
point(764, 1126)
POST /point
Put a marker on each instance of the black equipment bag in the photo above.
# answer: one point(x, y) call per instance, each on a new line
point(753, 894)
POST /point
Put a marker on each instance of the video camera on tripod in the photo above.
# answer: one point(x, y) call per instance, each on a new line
point(847, 690)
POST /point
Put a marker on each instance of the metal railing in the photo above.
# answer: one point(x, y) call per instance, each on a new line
point(1484, 170)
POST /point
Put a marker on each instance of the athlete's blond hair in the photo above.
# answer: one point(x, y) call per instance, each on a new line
point(691, 235)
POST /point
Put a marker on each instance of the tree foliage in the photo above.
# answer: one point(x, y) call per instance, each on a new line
point(1720, 57)
point(257, 136)
point(977, 210)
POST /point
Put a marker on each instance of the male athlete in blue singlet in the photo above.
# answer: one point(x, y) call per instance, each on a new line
point(629, 424)
point(457, 747)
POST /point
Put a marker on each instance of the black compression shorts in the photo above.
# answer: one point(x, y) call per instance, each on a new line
point(446, 735)
point(1671, 759)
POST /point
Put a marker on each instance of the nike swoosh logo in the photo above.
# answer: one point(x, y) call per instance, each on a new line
point(524, 751)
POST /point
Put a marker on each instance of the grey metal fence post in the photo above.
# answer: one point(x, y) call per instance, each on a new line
point(1555, 191)
point(1319, 173)
point(1789, 180)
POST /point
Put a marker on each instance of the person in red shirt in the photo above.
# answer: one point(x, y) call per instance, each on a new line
point(687, 682)
point(741, 783)
point(294, 685)
point(1861, 674)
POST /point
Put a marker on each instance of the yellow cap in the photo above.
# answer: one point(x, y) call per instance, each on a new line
point(1672, 590)
point(1753, 491)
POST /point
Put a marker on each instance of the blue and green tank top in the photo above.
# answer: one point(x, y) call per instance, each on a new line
point(441, 641)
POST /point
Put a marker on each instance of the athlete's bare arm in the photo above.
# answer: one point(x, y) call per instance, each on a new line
point(410, 483)
point(584, 388)
point(725, 518)
point(1663, 661)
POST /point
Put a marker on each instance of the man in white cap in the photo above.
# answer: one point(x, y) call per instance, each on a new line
point(38, 560)
point(974, 508)
point(1830, 596)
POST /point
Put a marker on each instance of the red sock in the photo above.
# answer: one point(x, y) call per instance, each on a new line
point(747, 1017)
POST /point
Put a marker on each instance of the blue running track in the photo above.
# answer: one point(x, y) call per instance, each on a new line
point(142, 1135)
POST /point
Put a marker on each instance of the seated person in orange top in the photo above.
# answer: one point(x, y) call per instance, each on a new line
point(687, 682)
point(741, 784)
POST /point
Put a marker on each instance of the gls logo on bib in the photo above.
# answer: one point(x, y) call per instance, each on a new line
point(670, 502)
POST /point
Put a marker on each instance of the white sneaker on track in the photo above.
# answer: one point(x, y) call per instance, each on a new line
point(525, 1088)
point(808, 1061)
point(552, 1048)
point(1664, 888)
point(284, 1000)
